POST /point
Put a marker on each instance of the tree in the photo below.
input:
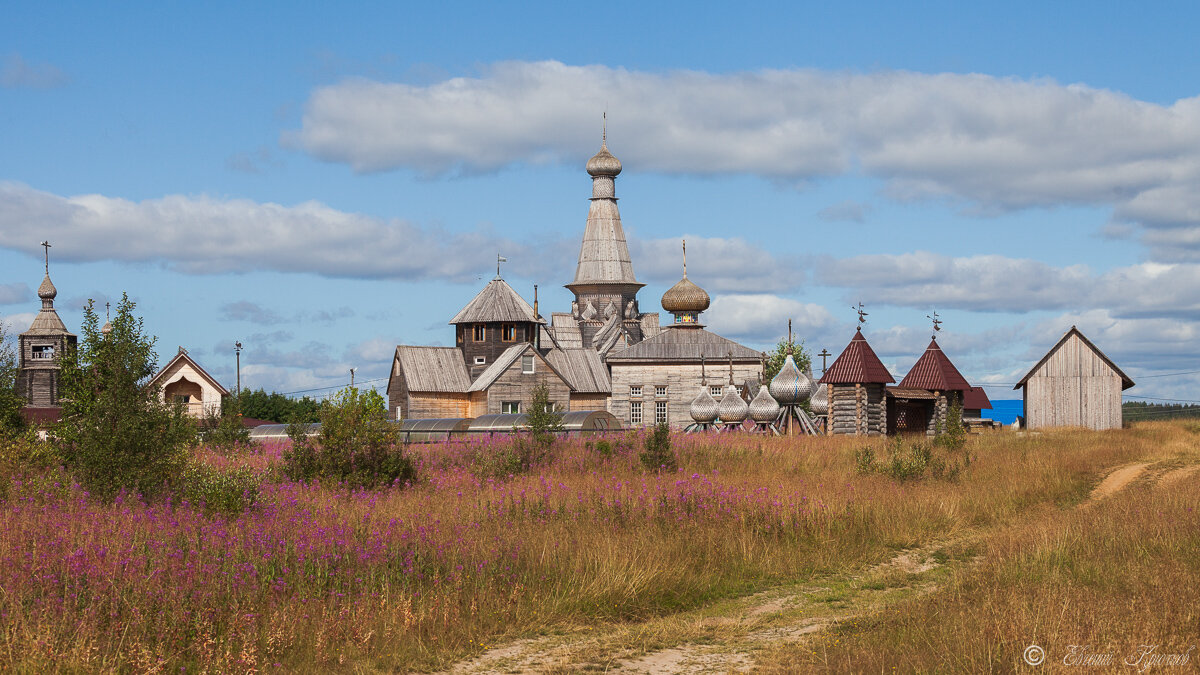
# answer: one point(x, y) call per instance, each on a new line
point(224, 430)
point(542, 419)
point(116, 432)
point(777, 356)
point(10, 400)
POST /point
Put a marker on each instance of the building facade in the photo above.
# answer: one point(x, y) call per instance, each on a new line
point(40, 348)
point(1074, 385)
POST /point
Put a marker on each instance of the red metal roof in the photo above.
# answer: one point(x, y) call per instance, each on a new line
point(41, 416)
point(976, 399)
point(933, 371)
point(857, 365)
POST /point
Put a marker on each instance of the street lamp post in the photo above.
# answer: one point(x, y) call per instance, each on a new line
point(237, 350)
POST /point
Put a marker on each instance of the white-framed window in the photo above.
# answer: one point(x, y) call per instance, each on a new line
point(480, 360)
point(635, 392)
point(527, 364)
point(635, 413)
point(660, 412)
point(715, 390)
point(510, 407)
point(660, 392)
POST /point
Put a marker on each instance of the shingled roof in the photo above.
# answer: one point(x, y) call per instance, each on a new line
point(496, 302)
point(857, 364)
point(439, 369)
point(687, 345)
point(935, 372)
point(583, 369)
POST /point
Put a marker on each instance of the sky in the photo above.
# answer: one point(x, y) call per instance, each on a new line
point(322, 183)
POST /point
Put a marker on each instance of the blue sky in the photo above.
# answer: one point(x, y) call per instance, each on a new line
point(327, 182)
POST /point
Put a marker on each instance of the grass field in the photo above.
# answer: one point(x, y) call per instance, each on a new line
point(613, 563)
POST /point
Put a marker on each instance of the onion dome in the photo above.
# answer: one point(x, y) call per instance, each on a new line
point(820, 400)
point(47, 291)
point(790, 386)
point(732, 409)
point(107, 328)
point(704, 407)
point(685, 297)
point(603, 163)
point(764, 408)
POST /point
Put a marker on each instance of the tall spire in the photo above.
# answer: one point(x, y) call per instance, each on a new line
point(604, 253)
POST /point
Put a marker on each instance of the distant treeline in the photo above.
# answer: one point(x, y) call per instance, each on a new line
point(1140, 410)
point(275, 407)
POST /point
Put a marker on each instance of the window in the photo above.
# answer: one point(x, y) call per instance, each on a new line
point(635, 392)
point(508, 333)
point(660, 392)
point(480, 360)
point(660, 412)
point(510, 407)
point(527, 364)
point(479, 332)
point(714, 390)
point(635, 413)
point(43, 352)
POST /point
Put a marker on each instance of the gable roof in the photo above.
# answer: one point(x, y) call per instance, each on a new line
point(857, 364)
point(684, 344)
point(439, 369)
point(935, 372)
point(503, 362)
point(1126, 382)
point(496, 302)
point(583, 369)
point(182, 357)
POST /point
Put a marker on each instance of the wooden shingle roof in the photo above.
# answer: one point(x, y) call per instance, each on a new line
point(435, 369)
point(496, 302)
point(935, 372)
point(684, 344)
point(857, 364)
point(1126, 382)
point(583, 369)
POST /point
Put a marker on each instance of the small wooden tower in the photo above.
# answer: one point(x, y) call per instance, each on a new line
point(935, 373)
point(1074, 385)
point(856, 383)
point(41, 346)
point(496, 318)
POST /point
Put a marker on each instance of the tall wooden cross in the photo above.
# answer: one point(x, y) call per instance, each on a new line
point(46, 245)
point(824, 355)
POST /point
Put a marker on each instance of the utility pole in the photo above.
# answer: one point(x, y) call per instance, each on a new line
point(352, 376)
point(237, 350)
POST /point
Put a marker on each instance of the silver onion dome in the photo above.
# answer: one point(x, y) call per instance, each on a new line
point(732, 408)
point(790, 386)
point(820, 400)
point(47, 291)
point(704, 407)
point(764, 408)
point(603, 163)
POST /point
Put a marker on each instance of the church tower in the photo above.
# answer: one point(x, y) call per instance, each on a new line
point(41, 346)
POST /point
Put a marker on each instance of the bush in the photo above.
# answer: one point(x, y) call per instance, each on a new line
point(227, 492)
point(604, 448)
point(10, 401)
point(951, 434)
point(32, 460)
point(911, 460)
point(864, 460)
point(225, 431)
point(657, 454)
point(356, 444)
point(116, 433)
point(543, 421)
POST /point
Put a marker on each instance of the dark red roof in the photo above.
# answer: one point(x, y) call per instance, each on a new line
point(250, 422)
point(41, 416)
point(933, 371)
point(857, 365)
point(976, 399)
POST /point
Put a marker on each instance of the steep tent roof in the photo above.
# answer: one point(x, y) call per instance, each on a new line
point(183, 357)
point(438, 369)
point(584, 370)
point(935, 372)
point(857, 364)
point(976, 399)
point(1126, 382)
point(684, 345)
point(496, 302)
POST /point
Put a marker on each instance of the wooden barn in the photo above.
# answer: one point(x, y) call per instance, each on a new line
point(856, 381)
point(1074, 385)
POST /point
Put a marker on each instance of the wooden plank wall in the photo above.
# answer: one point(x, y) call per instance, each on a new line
point(860, 410)
point(1074, 387)
point(424, 405)
point(513, 385)
point(682, 382)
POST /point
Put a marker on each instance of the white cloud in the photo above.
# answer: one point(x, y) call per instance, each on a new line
point(15, 324)
point(717, 264)
point(992, 143)
point(19, 73)
point(763, 318)
point(206, 235)
point(15, 293)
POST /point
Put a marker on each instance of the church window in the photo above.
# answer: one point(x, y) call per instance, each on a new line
point(478, 332)
point(527, 364)
point(508, 333)
point(714, 390)
point(660, 412)
point(660, 392)
point(635, 392)
point(635, 413)
point(510, 407)
point(43, 352)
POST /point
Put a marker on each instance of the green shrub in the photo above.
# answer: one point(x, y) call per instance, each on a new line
point(224, 431)
point(604, 448)
point(951, 434)
point(227, 492)
point(34, 461)
point(356, 444)
point(657, 454)
point(864, 460)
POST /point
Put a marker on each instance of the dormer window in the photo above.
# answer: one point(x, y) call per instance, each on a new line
point(478, 332)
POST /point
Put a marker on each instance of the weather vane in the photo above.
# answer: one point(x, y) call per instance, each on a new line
point(862, 316)
point(499, 259)
point(937, 323)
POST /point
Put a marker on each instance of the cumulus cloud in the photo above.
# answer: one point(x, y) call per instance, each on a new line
point(207, 235)
point(15, 324)
point(719, 265)
point(763, 318)
point(15, 293)
point(19, 73)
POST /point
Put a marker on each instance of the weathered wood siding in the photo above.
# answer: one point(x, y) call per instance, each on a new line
point(397, 392)
point(514, 385)
point(1073, 388)
point(491, 347)
point(857, 409)
point(425, 405)
point(682, 382)
point(589, 402)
